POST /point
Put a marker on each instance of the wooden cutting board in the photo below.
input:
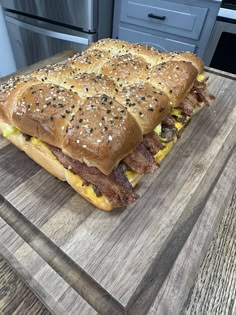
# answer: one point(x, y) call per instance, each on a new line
point(142, 259)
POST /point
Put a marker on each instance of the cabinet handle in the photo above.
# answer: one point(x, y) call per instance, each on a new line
point(158, 17)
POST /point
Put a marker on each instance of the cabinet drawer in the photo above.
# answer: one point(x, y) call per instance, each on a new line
point(160, 43)
point(165, 16)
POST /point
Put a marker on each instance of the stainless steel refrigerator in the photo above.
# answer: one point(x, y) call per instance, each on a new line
point(41, 28)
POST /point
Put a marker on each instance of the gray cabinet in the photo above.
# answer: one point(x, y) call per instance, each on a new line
point(166, 25)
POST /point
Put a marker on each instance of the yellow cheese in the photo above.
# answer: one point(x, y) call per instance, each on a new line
point(86, 190)
point(36, 141)
point(9, 130)
point(133, 177)
point(179, 125)
point(176, 112)
point(200, 77)
point(163, 152)
point(158, 129)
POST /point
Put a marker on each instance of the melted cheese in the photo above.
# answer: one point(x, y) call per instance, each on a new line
point(176, 112)
point(163, 152)
point(9, 130)
point(86, 190)
point(179, 125)
point(133, 177)
point(200, 77)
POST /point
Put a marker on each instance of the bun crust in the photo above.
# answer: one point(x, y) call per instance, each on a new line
point(44, 111)
point(88, 61)
point(90, 84)
point(102, 134)
point(174, 79)
point(145, 103)
point(120, 47)
point(126, 69)
point(181, 56)
point(9, 94)
point(55, 73)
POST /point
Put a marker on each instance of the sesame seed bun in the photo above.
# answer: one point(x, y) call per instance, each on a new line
point(88, 61)
point(90, 84)
point(145, 103)
point(126, 69)
point(174, 78)
point(44, 111)
point(121, 47)
point(181, 56)
point(102, 133)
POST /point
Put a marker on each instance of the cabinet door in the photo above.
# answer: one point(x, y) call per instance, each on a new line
point(160, 43)
point(165, 16)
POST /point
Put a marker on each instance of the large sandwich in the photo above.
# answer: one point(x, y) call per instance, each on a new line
point(106, 117)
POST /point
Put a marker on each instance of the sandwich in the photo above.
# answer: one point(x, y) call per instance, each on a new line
point(106, 117)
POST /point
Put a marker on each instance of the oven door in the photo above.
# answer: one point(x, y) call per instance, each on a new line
point(221, 49)
point(33, 40)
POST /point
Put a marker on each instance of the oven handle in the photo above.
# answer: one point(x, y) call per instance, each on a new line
point(46, 32)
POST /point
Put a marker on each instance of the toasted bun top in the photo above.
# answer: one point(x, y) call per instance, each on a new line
point(98, 106)
point(126, 69)
point(54, 73)
point(90, 84)
point(181, 56)
point(121, 47)
point(9, 93)
point(102, 133)
point(44, 111)
point(174, 78)
point(88, 61)
point(146, 103)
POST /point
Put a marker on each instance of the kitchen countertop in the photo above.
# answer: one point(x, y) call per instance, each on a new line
point(201, 200)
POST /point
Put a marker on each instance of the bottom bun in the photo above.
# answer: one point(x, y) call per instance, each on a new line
point(40, 153)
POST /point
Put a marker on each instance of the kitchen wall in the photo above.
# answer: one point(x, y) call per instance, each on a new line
point(7, 63)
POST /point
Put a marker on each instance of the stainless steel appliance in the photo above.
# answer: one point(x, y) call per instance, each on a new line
point(221, 50)
point(41, 28)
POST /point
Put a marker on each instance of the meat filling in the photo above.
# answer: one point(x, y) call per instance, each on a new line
point(141, 160)
point(152, 142)
point(198, 95)
point(115, 186)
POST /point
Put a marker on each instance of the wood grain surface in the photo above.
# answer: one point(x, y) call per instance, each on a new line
point(82, 261)
point(215, 288)
point(212, 293)
point(15, 296)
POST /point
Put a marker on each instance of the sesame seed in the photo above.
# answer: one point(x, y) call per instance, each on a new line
point(109, 137)
point(77, 141)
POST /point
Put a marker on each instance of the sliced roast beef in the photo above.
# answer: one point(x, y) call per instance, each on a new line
point(168, 121)
point(188, 104)
point(115, 187)
point(152, 142)
point(203, 95)
point(198, 95)
point(141, 160)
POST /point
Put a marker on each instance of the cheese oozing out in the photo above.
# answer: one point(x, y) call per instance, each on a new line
point(86, 190)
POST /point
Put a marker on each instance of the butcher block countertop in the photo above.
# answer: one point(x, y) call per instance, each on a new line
point(143, 259)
